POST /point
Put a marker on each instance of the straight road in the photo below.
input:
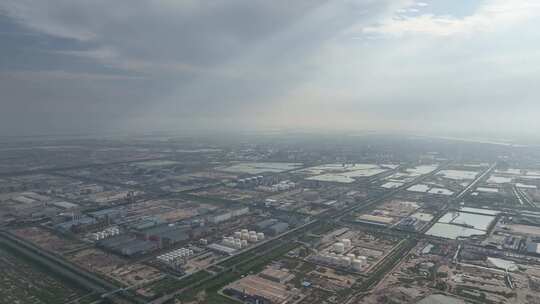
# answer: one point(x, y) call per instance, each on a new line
point(473, 184)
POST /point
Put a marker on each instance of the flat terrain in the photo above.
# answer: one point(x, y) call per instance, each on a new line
point(24, 283)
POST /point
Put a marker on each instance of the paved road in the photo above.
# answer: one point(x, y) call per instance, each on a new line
point(476, 181)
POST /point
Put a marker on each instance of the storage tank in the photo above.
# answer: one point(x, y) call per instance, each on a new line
point(238, 234)
point(244, 243)
point(253, 238)
point(245, 231)
point(260, 236)
point(346, 243)
point(357, 264)
point(228, 242)
point(339, 247)
point(245, 235)
point(346, 261)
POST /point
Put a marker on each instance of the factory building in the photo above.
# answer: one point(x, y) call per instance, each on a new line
point(166, 235)
point(221, 249)
point(146, 222)
point(533, 248)
point(110, 214)
point(265, 224)
point(276, 275)
point(225, 216)
point(127, 245)
point(65, 205)
point(278, 228)
point(77, 224)
point(250, 181)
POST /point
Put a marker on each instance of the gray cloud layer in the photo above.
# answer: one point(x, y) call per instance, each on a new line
point(79, 66)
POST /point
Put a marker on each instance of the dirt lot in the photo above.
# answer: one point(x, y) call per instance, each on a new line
point(114, 267)
point(46, 239)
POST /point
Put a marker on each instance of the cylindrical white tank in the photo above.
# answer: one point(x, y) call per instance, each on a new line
point(357, 265)
point(339, 247)
point(352, 256)
point(260, 236)
point(346, 261)
point(244, 243)
point(238, 234)
point(245, 231)
point(253, 238)
point(346, 243)
point(245, 235)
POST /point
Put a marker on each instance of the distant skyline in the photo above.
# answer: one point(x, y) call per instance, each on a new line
point(463, 67)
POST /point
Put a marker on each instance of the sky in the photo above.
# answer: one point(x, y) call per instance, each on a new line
point(431, 66)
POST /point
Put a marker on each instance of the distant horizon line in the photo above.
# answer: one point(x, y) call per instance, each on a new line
point(484, 139)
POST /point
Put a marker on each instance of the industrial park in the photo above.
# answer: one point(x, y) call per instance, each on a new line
point(270, 152)
point(182, 221)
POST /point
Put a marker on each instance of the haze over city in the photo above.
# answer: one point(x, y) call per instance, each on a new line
point(269, 152)
point(453, 68)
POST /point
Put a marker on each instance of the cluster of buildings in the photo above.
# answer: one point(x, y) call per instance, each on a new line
point(269, 286)
point(350, 261)
point(176, 258)
point(228, 215)
point(241, 239)
point(148, 240)
point(270, 184)
point(336, 257)
point(128, 245)
point(100, 235)
point(272, 226)
point(340, 247)
point(281, 186)
point(250, 181)
point(411, 224)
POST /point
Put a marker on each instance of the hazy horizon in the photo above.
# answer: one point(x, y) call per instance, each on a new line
point(448, 68)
